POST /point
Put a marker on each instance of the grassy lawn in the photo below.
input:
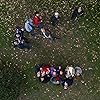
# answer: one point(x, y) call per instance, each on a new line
point(79, 45)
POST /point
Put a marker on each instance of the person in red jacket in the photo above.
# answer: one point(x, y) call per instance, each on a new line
point(37, 20)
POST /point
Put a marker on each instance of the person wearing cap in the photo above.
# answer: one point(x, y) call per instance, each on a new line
point(54, 19)
point(78, 11)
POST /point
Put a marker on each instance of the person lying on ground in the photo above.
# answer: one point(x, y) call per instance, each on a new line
point(54, 19)
point(29, 27)
point(67, 82)
point(78, 11)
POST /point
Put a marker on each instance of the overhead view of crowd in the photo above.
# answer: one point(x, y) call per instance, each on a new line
point(36, 22)
point(48, 73)
point(58, 75)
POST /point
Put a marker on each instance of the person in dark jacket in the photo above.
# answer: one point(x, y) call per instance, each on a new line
point(67, 82)
point(54, 19)
point(78, 11)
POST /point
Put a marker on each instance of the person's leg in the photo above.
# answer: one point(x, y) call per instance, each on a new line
point(40, 26)
point(33, 33)
point(24, 45)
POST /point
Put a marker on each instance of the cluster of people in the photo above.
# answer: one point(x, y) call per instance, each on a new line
point(58, 75)
point(37, 22)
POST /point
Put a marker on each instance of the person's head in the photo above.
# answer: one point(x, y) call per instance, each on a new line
point(61, 72)
point(47, 72)
point(57, 82)
point(79, 9)
point(54, 73)
point(16, 42)
point(40, 68)
point(78, 74)
point(36, 13)
point(22, 29)
point(38, 74)
point(42, 30)
point(17, 35)
point(56, 14)
point(59, 67)
point(42, 79)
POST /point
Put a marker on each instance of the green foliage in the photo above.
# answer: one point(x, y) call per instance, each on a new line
point(11, 81)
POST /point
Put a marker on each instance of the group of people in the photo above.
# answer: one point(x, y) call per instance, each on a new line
point(58, 75)
point(36, 22)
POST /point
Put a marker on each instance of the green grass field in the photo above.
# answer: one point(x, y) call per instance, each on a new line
point(79, 45)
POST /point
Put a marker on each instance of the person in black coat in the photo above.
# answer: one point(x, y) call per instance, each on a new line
point(54, 19)
point(78, 11)
point(67, 82)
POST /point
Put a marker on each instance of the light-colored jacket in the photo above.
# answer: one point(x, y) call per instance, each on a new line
point(29, 25)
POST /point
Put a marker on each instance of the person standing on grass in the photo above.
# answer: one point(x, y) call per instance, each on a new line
point(37, 20)
point(78, 11)
point(54, 19)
